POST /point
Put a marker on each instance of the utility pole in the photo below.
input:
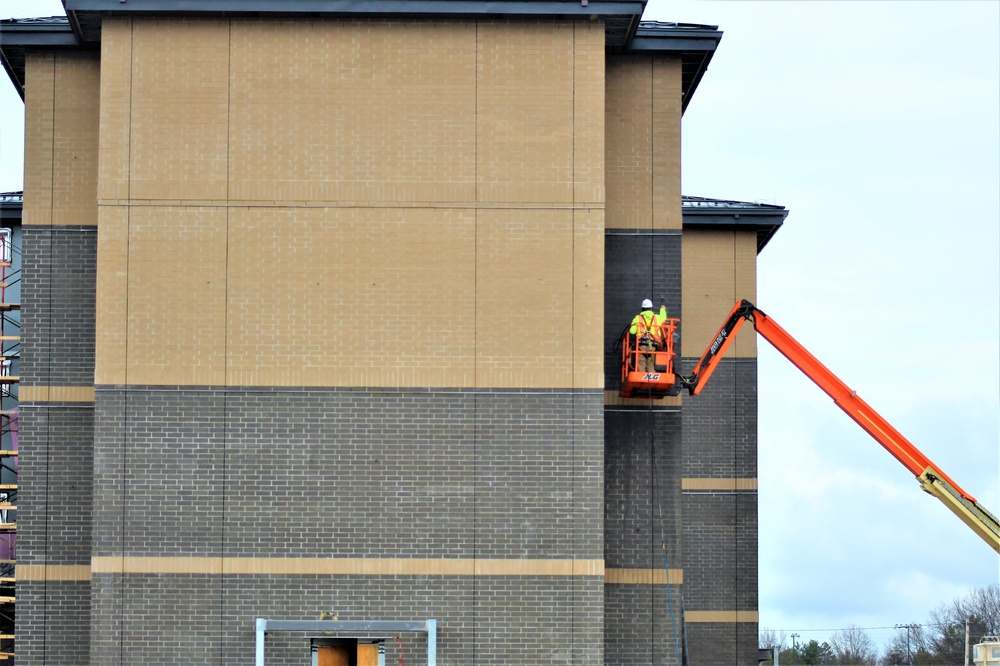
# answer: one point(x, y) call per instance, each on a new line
point(966, 641)
point(908, 627)
point(795, 649)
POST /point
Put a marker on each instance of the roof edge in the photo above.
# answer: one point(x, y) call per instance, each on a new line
point(727, 215)
point(583, 8)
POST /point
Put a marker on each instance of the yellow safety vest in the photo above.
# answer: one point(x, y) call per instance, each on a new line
point(649, 322)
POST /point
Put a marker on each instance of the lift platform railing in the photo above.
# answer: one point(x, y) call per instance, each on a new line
point(633, 356)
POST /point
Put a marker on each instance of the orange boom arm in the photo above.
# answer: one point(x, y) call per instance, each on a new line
point(931, 478)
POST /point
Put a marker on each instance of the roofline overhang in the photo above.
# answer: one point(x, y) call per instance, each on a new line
point(695, 44)
point(621, 17)
point(17, 37)
point(506, 8)
point(764, 220)
point(11, 206)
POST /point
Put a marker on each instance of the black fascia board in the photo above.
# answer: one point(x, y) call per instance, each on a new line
point(765, 221)
point(641, 44)
point(598, 8)
point(86, 14)
point(49, 32)
point(694, 44)
point(11, 205)
point(18, 36)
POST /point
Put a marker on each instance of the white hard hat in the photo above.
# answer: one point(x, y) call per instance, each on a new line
point(647, 304)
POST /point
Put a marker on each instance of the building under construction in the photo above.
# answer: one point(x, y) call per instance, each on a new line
point(317, 352)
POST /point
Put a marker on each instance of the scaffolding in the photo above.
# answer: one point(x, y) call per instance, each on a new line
point(10, 353)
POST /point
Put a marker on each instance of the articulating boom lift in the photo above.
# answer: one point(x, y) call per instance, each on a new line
point(667, 382)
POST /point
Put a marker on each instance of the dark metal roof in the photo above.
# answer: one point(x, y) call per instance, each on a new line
point(702, 212)
point(19, 35)
point(11, 204)
point(621, 17)
point(624, 32)
point(694, 44)
point(765, 219)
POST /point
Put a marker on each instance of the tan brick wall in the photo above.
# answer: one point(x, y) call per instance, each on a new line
point(179, 104)
point(353, 111)
point(61, 120)
point(116, 107)
point(355, 203)
point(588, 298)
point(643, 143)
point(588, 114)
point(719, 268)
point(352, 297)
point(112, 295)
point(176, 295)
point(525, 105)
point(524, 332)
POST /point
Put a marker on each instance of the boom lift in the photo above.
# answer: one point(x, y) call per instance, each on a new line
point(665, 381)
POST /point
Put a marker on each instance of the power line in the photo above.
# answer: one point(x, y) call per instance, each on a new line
point(936, 625)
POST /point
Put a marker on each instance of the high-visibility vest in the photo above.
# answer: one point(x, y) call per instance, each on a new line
point(648, 322)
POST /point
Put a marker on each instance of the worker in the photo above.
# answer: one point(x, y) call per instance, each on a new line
point(648, 328)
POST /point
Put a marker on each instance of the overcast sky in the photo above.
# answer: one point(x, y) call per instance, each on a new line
point(876, 124)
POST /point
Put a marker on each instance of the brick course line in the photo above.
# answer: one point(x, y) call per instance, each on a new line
point(728, 617)
point(346, 566)
point(643, 577)
point(718, 484)
point(57, 394)
point(49, 572)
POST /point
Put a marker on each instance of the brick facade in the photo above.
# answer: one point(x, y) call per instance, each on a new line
point(332, 330)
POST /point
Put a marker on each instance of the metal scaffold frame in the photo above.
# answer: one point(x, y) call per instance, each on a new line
point(10, 353)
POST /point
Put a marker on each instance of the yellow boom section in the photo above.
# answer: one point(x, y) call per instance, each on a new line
point(982, 522)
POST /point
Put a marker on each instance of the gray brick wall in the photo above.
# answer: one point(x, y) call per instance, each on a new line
point(350, 473)
point(642, 487)
point(158, 491)
point(642, 460)
point(720, 424)
point(55, 483)
point(722, 643)
point(58, 304)
point(644, 626)
point(720, 528)
point(201, 619)
point(638, 264)
point(53, 623)
point(55, 468)
point(720, 550)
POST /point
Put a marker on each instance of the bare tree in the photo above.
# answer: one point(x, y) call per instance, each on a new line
point(981, 607)
point(853, 646)
point(767, 638)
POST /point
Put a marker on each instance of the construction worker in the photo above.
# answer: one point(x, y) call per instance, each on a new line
point(648, 327)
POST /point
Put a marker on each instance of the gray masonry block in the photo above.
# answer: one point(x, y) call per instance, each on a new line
point(198, 619)
point(58, 304)
point(638, 264)
point(722, 643)
point(53, 624)
point(349, 473)
point(55, 483)
point(643, 625)
point(642, 488)
point(720, 424)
